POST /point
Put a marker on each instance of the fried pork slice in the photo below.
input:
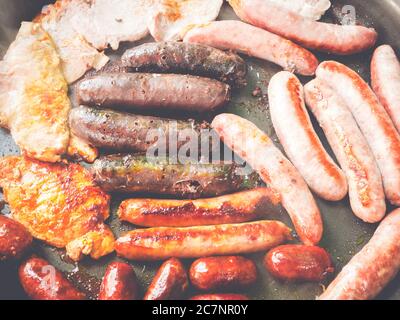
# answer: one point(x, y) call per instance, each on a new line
point(312, 9)
point(59, 204)
point(81, 150)
point(76, 53)
point(34, 104)
point(171, 17)
point(106, 23)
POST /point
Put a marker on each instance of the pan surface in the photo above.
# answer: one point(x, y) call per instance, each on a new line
point(344, 234)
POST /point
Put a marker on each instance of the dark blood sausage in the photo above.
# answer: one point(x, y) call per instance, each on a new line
point(144, 91)
point(196, 242)
point(233, 208)
point(137, 173)
point(119, 283)
point(215, 273)
point(371, 269)
point(169, 283)
point(298, 262)
point(121, 131)
point(220, 296)
point(42, 281)
point(14, 238)
point(186, 58)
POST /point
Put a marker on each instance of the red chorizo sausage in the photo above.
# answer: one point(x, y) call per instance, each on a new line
point(169, 283)
point(42, 281)
point(214, 273)
point(298, 262)
point(119, 283)
point(14, 238)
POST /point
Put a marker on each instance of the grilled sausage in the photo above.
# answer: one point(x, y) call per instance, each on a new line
point(298, 262)
point(135, 173)
point(220, 296)
point(169, 283)
point(127, 132)
point(187, 58)
point(234, 35)
point(257, 149)
point(372, 119)
point(194, 242)
point(385, 80)
point(144, 91)
point(367, 198)
point(234, 208)
point(337, 39)
point(42, 281)
point(215, 273)
point(14, 238)
point(119, 283)
point(297, 136)
point(370, 270)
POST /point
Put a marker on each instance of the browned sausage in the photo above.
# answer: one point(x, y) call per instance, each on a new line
point(169, 283)
point(298, 262)
point(14, 238)
point(195, 242)
point(233, 208)
point(119, 283)
point(143, 91)
point(42, 281)
point(222, 272)
point(221, 296)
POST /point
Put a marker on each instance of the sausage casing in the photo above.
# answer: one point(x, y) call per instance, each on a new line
point(187, 58)
point(254, 146)
point(136, 173)
point(169, 283)
point(233, 208)
point(122, 131)
point(234, 35)
point(215, 273)
point(371, 269)
point(367, 198)
point(298, 262)
point(295, 131)
point(144, 91)
point(42, 281)
point(372, 119)
point(194, 242)
point(385, 80)
point(327, 37)
point(14, 238)
point(119, 283)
